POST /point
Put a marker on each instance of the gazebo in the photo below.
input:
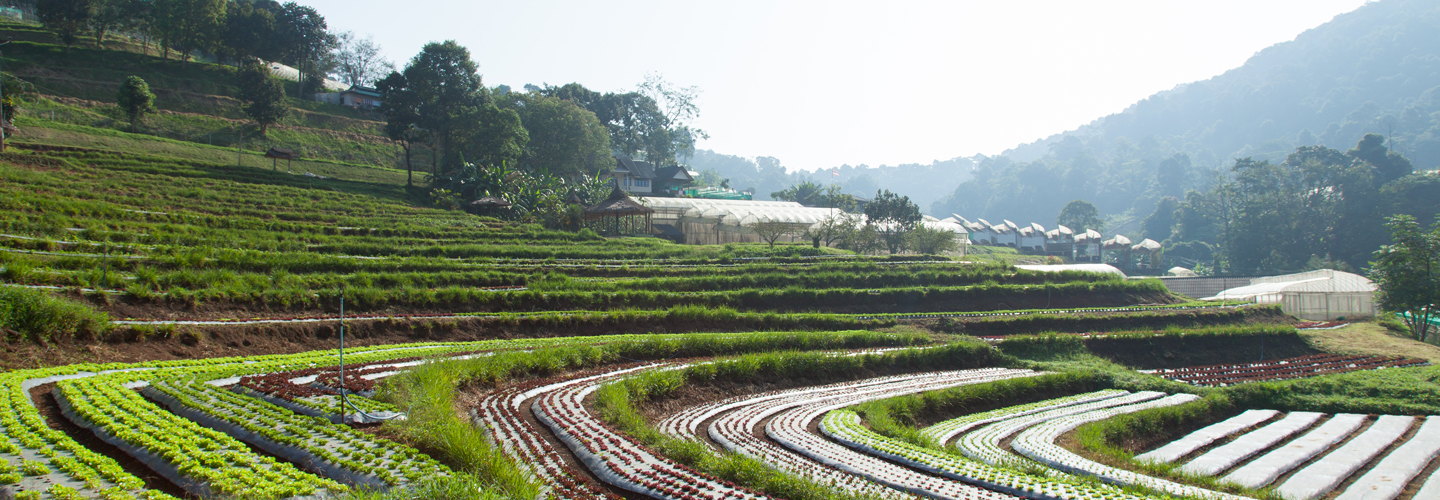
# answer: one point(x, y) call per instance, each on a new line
point(488, 204)
point(1117, 244)
point(615, 207)
point(1148, 250)
point(277, 154)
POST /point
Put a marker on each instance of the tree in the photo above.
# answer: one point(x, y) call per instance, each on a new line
point(251, 31)
point(1408, 274)
point(565, 139)
point(135, 99)
point(1080, 215)
point(931, 241)
point(107, 15)
point(441, 92)
point(892, 216)
point(188, 25)
point(304, 40)
point(65, 17)
point(638, 126)
point(805, 193)
point(832, 228)
point(770, 230)
point(1159, 224)
point(358, 61)
point(1389, 165)
point(14, 90)
point(401, 109)
point(263, 96)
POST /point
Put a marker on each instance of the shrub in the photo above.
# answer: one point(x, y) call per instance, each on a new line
point(38, 315)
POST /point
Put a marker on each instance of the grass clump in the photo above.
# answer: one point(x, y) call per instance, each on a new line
point(40, 316)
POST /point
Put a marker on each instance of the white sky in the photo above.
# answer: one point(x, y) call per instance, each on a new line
point(822, 83)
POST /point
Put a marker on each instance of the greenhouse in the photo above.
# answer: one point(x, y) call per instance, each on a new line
point(710, 221)
point(1322, 295)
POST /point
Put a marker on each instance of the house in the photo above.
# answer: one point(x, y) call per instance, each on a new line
point(1060, 242)
point(1087, 246)
point(356, 97)
point(669, 180)
point(361, 97)
point(633, 176)
point(1032, 238)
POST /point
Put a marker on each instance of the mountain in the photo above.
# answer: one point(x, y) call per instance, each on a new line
point(1372, 70)
point(923, 183)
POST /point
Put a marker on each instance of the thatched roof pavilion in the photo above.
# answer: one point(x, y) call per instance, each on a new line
point(615, 207)
point(488, 204)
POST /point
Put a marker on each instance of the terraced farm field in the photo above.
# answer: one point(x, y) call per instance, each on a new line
point(172, 331)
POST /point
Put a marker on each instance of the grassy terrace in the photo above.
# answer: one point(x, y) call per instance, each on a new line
point(226, 236)
point(500, 341)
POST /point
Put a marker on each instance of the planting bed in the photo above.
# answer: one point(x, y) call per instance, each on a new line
point(1283, 369)
point(1322, 458)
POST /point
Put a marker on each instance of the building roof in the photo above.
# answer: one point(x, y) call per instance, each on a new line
point(1119, 241)
point(490, 201)
point(741, 212)
point(1146, 245)
point(617, 204)
point(1089, 268)
point(1322, 281)
point(673, 173)
point(637, 169)
point(1090, 236)
point(365, 91)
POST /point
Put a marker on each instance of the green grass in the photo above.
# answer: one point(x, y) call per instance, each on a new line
point(41, 316)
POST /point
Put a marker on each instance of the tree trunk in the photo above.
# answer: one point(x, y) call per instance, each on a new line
point(409, 170)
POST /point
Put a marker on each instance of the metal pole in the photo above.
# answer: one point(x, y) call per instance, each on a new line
point(343, 399)
point(2, 92)
point(239, 161)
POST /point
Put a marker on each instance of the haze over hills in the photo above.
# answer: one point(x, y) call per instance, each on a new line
point(1373, 70)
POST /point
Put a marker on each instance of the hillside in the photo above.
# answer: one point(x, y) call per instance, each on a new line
point(199, 113)
point(1376, 69)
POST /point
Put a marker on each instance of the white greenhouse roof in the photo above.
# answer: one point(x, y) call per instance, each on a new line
point(1322, 281)
point(740, 212)
point(1089, 268)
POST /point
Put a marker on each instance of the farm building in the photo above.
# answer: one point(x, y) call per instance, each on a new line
point(710, 222)
point(700, 221)
point(1321, 295)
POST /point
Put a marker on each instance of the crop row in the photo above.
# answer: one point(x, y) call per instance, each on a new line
point(100, 397)
point(1283, 369)
point(1317, 462)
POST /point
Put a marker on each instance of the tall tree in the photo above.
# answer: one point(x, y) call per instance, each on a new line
point(107, 15)
point(65, 17)
point(304, 36)
point(893, 216)
point(1159, 224)
point(1408, 274)
point(358, 61)
point(1389, 165)
point(188, 25)
point(135, 99)
point(251, 31)
point(565, 139)
point(1080, 215)
point(401, 108)
point(263, 96)
point(440, 90)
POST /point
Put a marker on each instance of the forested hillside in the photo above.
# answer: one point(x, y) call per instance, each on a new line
point(764, 175)
point(1373, 70)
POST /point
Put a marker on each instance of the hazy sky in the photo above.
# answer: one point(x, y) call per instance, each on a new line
point(823, 83)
